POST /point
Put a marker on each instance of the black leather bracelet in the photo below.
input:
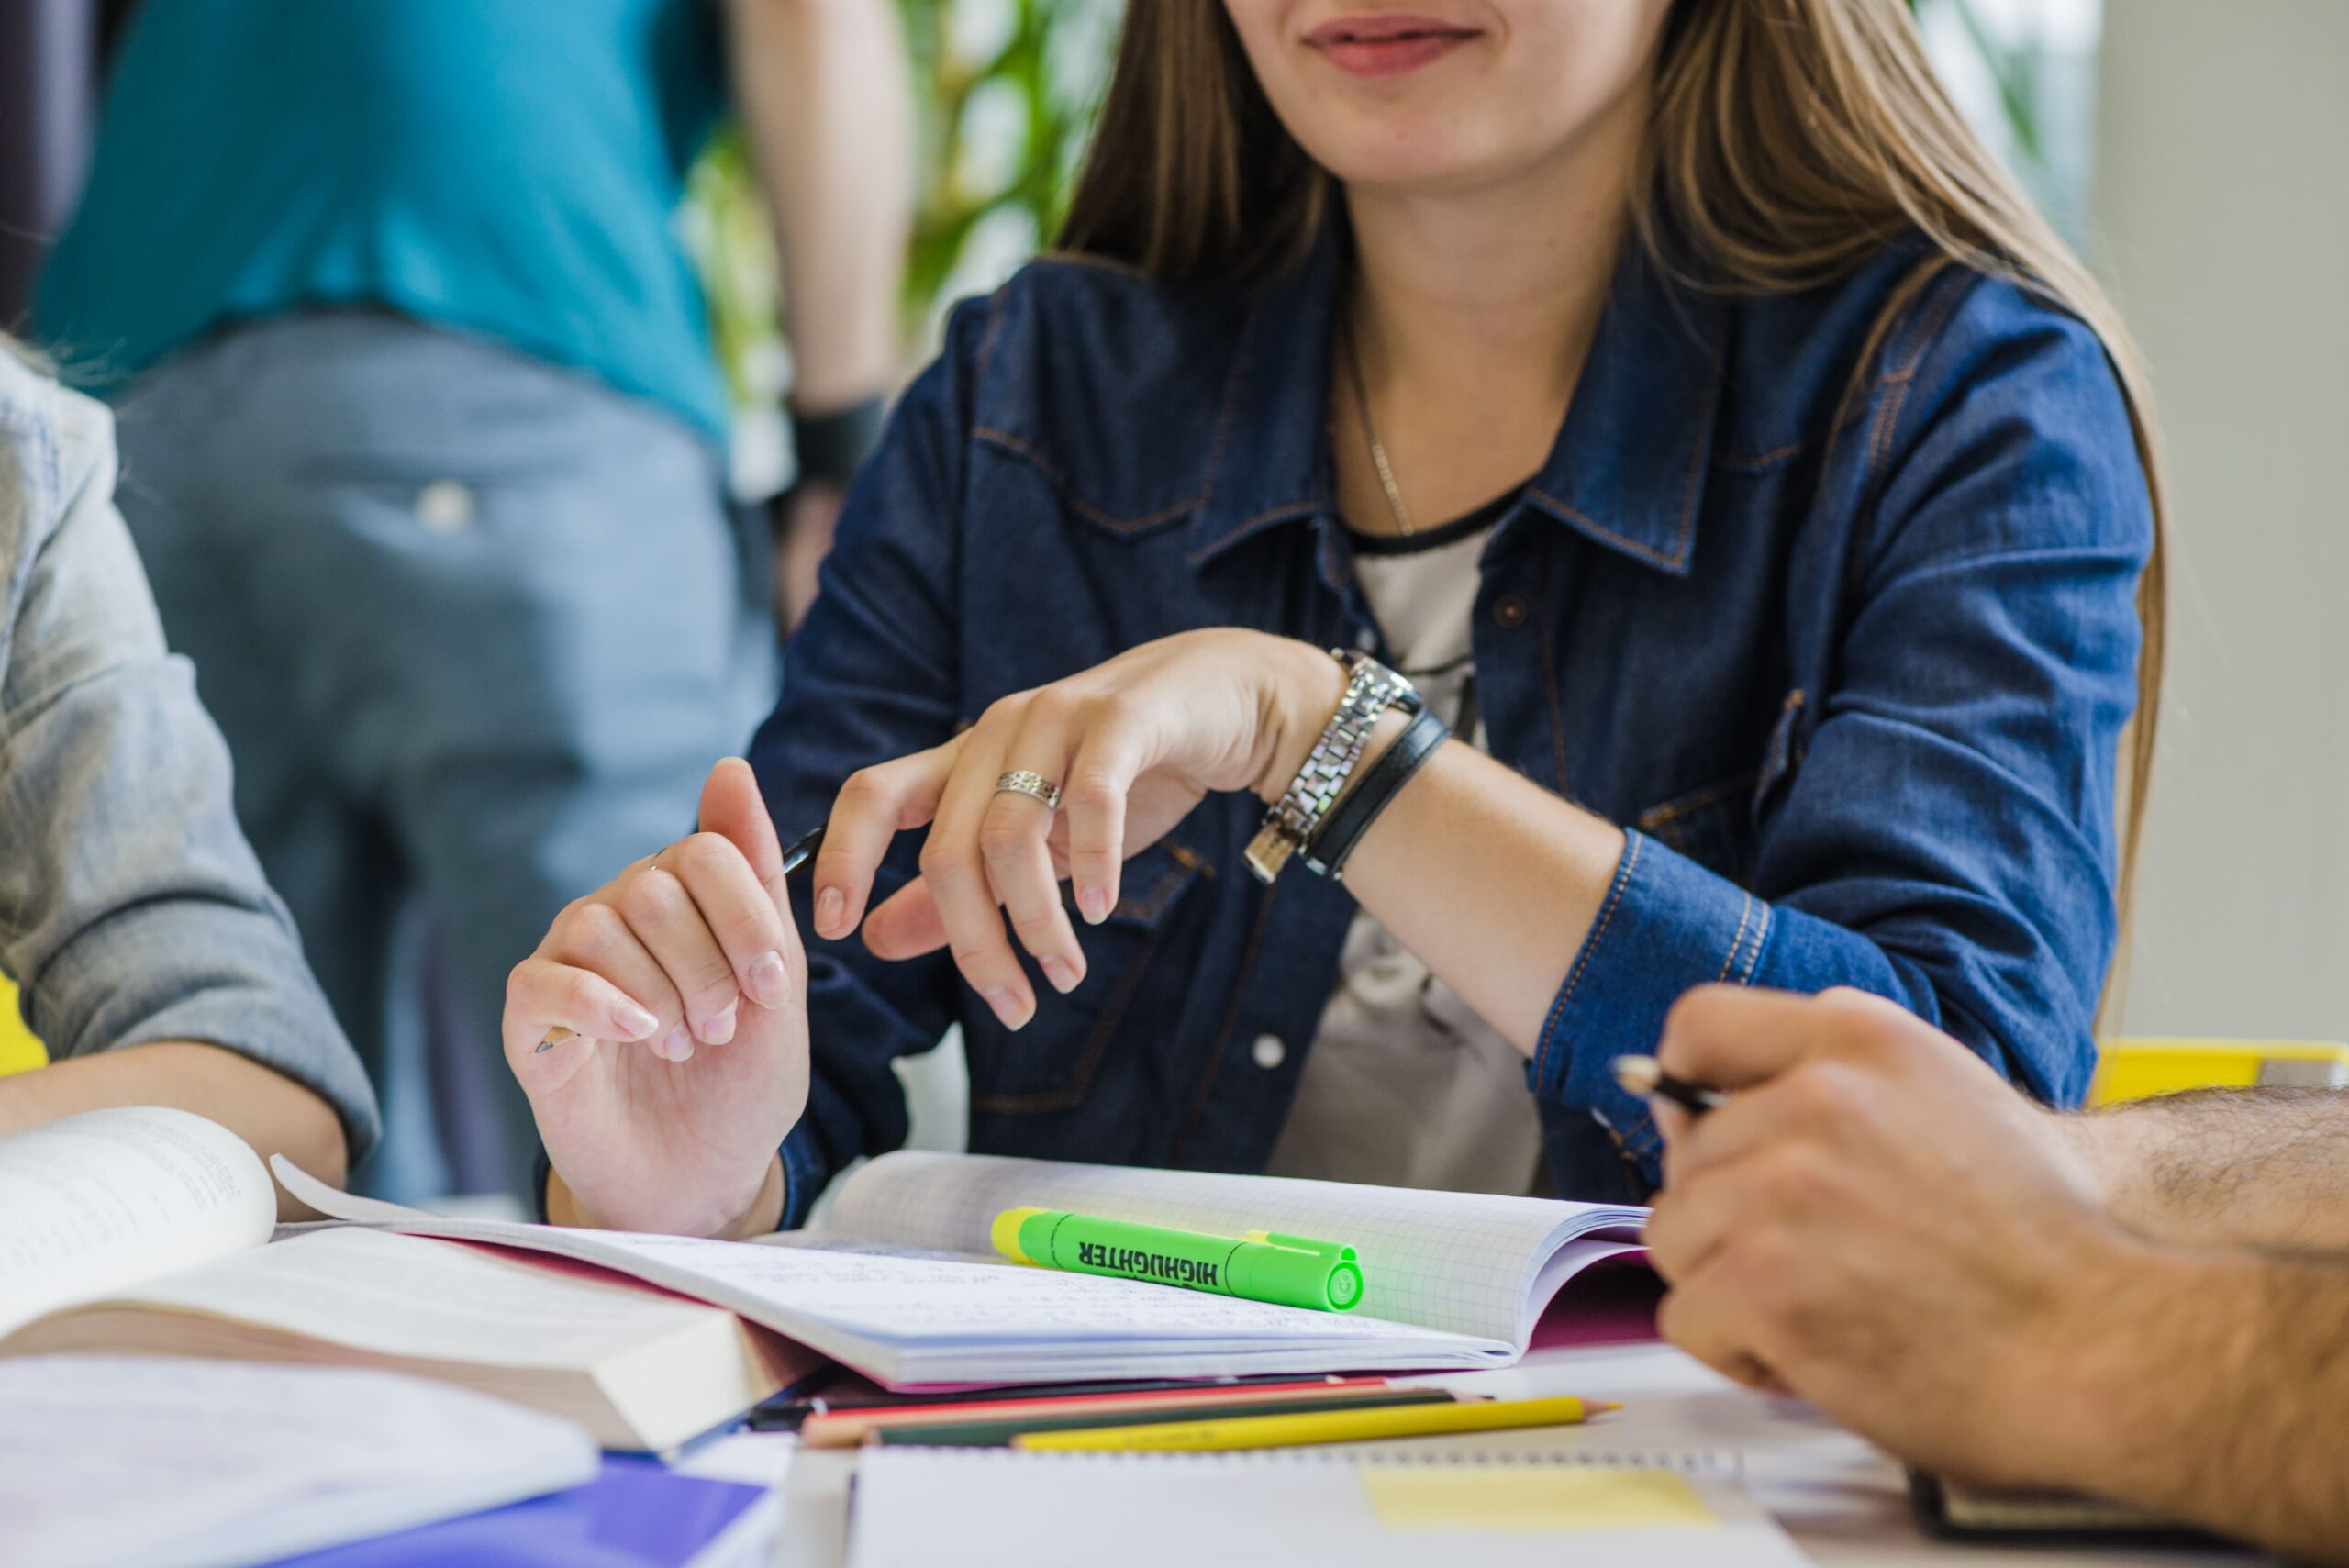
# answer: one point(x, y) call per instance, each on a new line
point(1351, 817)
point(832, 447)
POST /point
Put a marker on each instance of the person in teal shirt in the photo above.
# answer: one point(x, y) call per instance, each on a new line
point(416, 387)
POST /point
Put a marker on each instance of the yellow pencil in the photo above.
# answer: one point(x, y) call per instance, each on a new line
point(1328, 1426)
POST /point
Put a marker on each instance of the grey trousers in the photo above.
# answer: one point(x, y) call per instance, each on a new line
point(475, 628)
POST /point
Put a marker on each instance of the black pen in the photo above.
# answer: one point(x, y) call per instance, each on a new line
point(798, 856)
point(1642, 1076)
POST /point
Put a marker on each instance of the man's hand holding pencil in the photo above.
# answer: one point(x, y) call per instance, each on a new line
point(1859, 1186)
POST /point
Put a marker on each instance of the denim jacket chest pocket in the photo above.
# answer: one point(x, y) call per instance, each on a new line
point(1719, 824)
point(1051, 1066)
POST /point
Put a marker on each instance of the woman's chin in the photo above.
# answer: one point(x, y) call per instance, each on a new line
point(1432, 163)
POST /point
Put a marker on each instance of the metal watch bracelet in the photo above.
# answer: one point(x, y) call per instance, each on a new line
point(1371, 689)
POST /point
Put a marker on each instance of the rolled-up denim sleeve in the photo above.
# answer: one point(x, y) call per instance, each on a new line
point(1946, 837)
point(131, 908)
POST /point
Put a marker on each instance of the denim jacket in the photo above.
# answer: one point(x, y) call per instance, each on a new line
point(131, 909)
point(1851, 674)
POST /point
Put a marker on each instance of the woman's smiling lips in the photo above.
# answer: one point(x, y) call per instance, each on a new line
point(1387, 43)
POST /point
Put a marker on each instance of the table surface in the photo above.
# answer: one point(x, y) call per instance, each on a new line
point(1844, 1502)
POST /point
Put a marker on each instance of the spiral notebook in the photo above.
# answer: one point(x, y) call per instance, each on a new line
point(1002, 1508)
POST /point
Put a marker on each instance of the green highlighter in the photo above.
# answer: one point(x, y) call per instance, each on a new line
point(1290, 1271)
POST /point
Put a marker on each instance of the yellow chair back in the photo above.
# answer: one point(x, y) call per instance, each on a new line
point(19, 1051)
point(2141, 1069)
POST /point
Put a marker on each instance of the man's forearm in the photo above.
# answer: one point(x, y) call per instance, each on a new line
point(2217, 1391)
point(823, 93)
point(2251, 1167)
point(260, 1104)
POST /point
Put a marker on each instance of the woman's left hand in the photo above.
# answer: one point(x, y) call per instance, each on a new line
point(1133, 744)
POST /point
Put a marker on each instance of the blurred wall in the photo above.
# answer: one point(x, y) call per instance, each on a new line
point(2220, 216)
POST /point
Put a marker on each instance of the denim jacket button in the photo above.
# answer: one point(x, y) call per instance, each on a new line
point(1509, 612)
point(1269, 1051)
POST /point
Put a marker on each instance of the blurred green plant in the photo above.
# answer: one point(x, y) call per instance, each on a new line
point(2015, 74)
point(1004, 91)
point(2026, 75)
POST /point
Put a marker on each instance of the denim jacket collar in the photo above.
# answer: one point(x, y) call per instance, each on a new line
point(1627, 471)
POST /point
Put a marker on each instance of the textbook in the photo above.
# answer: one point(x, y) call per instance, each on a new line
point(904, 1286)
point(147, 1232)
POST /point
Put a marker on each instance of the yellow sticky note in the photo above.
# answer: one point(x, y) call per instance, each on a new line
point(1526, 1497)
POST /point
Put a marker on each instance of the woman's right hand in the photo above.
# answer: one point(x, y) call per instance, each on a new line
point(682, 982)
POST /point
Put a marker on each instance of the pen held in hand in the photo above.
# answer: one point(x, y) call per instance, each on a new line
point(802, 852)
point(1643, 1076)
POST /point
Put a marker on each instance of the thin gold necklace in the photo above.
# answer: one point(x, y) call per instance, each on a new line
point(1370, 433)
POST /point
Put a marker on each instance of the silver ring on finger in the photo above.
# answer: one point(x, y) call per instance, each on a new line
point(1035, 786)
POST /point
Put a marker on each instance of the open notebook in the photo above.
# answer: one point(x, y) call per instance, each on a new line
point(147, 1231)
point(903, 1288)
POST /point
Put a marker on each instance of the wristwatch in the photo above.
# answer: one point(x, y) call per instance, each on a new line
point(1371, 689)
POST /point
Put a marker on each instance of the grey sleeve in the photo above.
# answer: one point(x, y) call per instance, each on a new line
point(131, 908)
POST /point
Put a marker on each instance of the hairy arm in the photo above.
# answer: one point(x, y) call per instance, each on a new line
point(2213, 1393)
point(2250, 1167)
point(265, 1108)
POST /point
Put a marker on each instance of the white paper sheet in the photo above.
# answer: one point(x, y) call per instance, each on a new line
point(152, 1462)
point(100, 1200)
point(1000, 1509)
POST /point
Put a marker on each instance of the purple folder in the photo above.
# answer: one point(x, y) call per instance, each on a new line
point(636, 1514)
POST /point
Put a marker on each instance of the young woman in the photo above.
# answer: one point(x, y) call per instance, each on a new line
point(1672, 389)
point(155, 962)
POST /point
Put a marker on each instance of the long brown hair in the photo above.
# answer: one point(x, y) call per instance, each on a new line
point(1790, 141)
